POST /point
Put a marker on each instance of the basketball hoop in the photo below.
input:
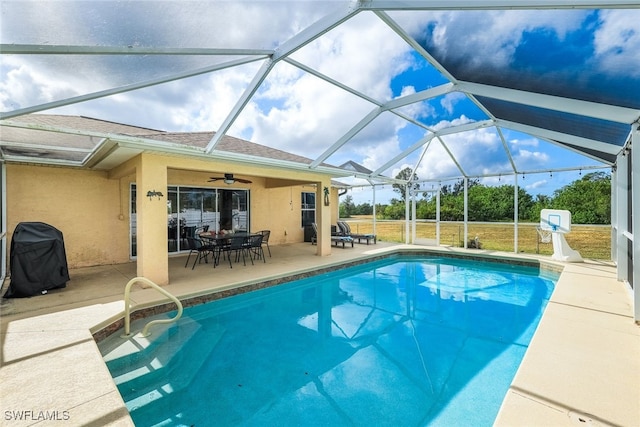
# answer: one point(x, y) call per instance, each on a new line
point(545, 235)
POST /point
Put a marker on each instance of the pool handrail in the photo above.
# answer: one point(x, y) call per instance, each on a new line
point(127, 307)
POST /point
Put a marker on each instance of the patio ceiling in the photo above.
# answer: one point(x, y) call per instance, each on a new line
point(455, 91)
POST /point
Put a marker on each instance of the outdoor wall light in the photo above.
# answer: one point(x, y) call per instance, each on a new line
point(153, 193)
point(325, 190)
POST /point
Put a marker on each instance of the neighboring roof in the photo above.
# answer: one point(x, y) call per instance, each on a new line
point(227, 143)
point(353, 166)
point(79, 123)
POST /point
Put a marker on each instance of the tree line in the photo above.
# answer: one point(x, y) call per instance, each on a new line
point(588, 199)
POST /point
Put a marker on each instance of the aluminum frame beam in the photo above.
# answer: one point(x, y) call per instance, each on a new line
point(550, 102)
point(496, 4)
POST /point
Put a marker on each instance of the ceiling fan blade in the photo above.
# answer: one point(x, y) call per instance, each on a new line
point(229, 179)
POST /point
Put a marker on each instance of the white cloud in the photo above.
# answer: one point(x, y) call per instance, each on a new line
point(516, 143)
point(449, 101)
point(617, 40)
point(536, 185)
point(443, 124)
point(531, 160)
point(496, 34)
point(24, 85)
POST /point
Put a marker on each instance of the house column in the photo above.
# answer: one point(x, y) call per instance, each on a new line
point(151, 208)
point(323, 219)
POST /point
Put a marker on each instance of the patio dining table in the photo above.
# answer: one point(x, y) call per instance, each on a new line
point(214, 237)
point(220, 240)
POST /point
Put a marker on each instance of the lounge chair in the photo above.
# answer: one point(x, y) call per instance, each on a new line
point(337, 239)
point(346, 231)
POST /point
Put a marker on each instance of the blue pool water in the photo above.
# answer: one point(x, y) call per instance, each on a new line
point(398, 342)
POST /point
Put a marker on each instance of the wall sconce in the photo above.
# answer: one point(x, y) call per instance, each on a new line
point(153, 193)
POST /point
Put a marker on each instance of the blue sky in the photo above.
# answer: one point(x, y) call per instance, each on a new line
point(590, 55)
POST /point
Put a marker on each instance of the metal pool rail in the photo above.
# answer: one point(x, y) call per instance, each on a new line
point(127, 307)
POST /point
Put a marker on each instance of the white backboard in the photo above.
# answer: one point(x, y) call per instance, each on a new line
point(555, 220)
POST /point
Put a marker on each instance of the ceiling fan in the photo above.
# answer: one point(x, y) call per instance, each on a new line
point(229, 179)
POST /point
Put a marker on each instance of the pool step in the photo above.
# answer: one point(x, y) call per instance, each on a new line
point(167, 368)
point(137, 351)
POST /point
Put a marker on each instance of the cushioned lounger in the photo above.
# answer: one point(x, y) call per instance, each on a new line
point(337, 239)
point(346, 232)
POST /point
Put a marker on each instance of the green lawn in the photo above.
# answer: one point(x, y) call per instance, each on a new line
point(592, 241)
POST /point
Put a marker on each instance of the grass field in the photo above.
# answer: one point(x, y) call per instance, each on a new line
point(592, 241)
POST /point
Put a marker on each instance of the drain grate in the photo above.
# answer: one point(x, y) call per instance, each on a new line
point(583, 420)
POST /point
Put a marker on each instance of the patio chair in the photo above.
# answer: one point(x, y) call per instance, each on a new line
point(201, 251)
point(254, 246)
point(265, 239)
point(237, 244)
point(346, 231)
point(172, 232)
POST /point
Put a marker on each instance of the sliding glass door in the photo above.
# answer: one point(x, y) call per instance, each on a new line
point(191, 209)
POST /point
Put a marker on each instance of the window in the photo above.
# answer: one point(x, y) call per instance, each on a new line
point(308, 208)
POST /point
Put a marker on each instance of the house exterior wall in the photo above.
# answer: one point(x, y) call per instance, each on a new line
point(91, 208)
point(83, 205)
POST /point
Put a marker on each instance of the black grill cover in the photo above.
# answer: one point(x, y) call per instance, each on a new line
point(38, 261)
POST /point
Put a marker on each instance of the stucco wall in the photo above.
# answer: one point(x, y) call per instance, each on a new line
point(83, 205)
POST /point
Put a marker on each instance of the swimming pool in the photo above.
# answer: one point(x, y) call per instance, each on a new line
point(402, 341)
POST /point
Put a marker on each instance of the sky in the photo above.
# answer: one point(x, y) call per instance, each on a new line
point(582, 53)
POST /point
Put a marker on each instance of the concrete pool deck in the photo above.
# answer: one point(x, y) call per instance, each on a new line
point(582, 366)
